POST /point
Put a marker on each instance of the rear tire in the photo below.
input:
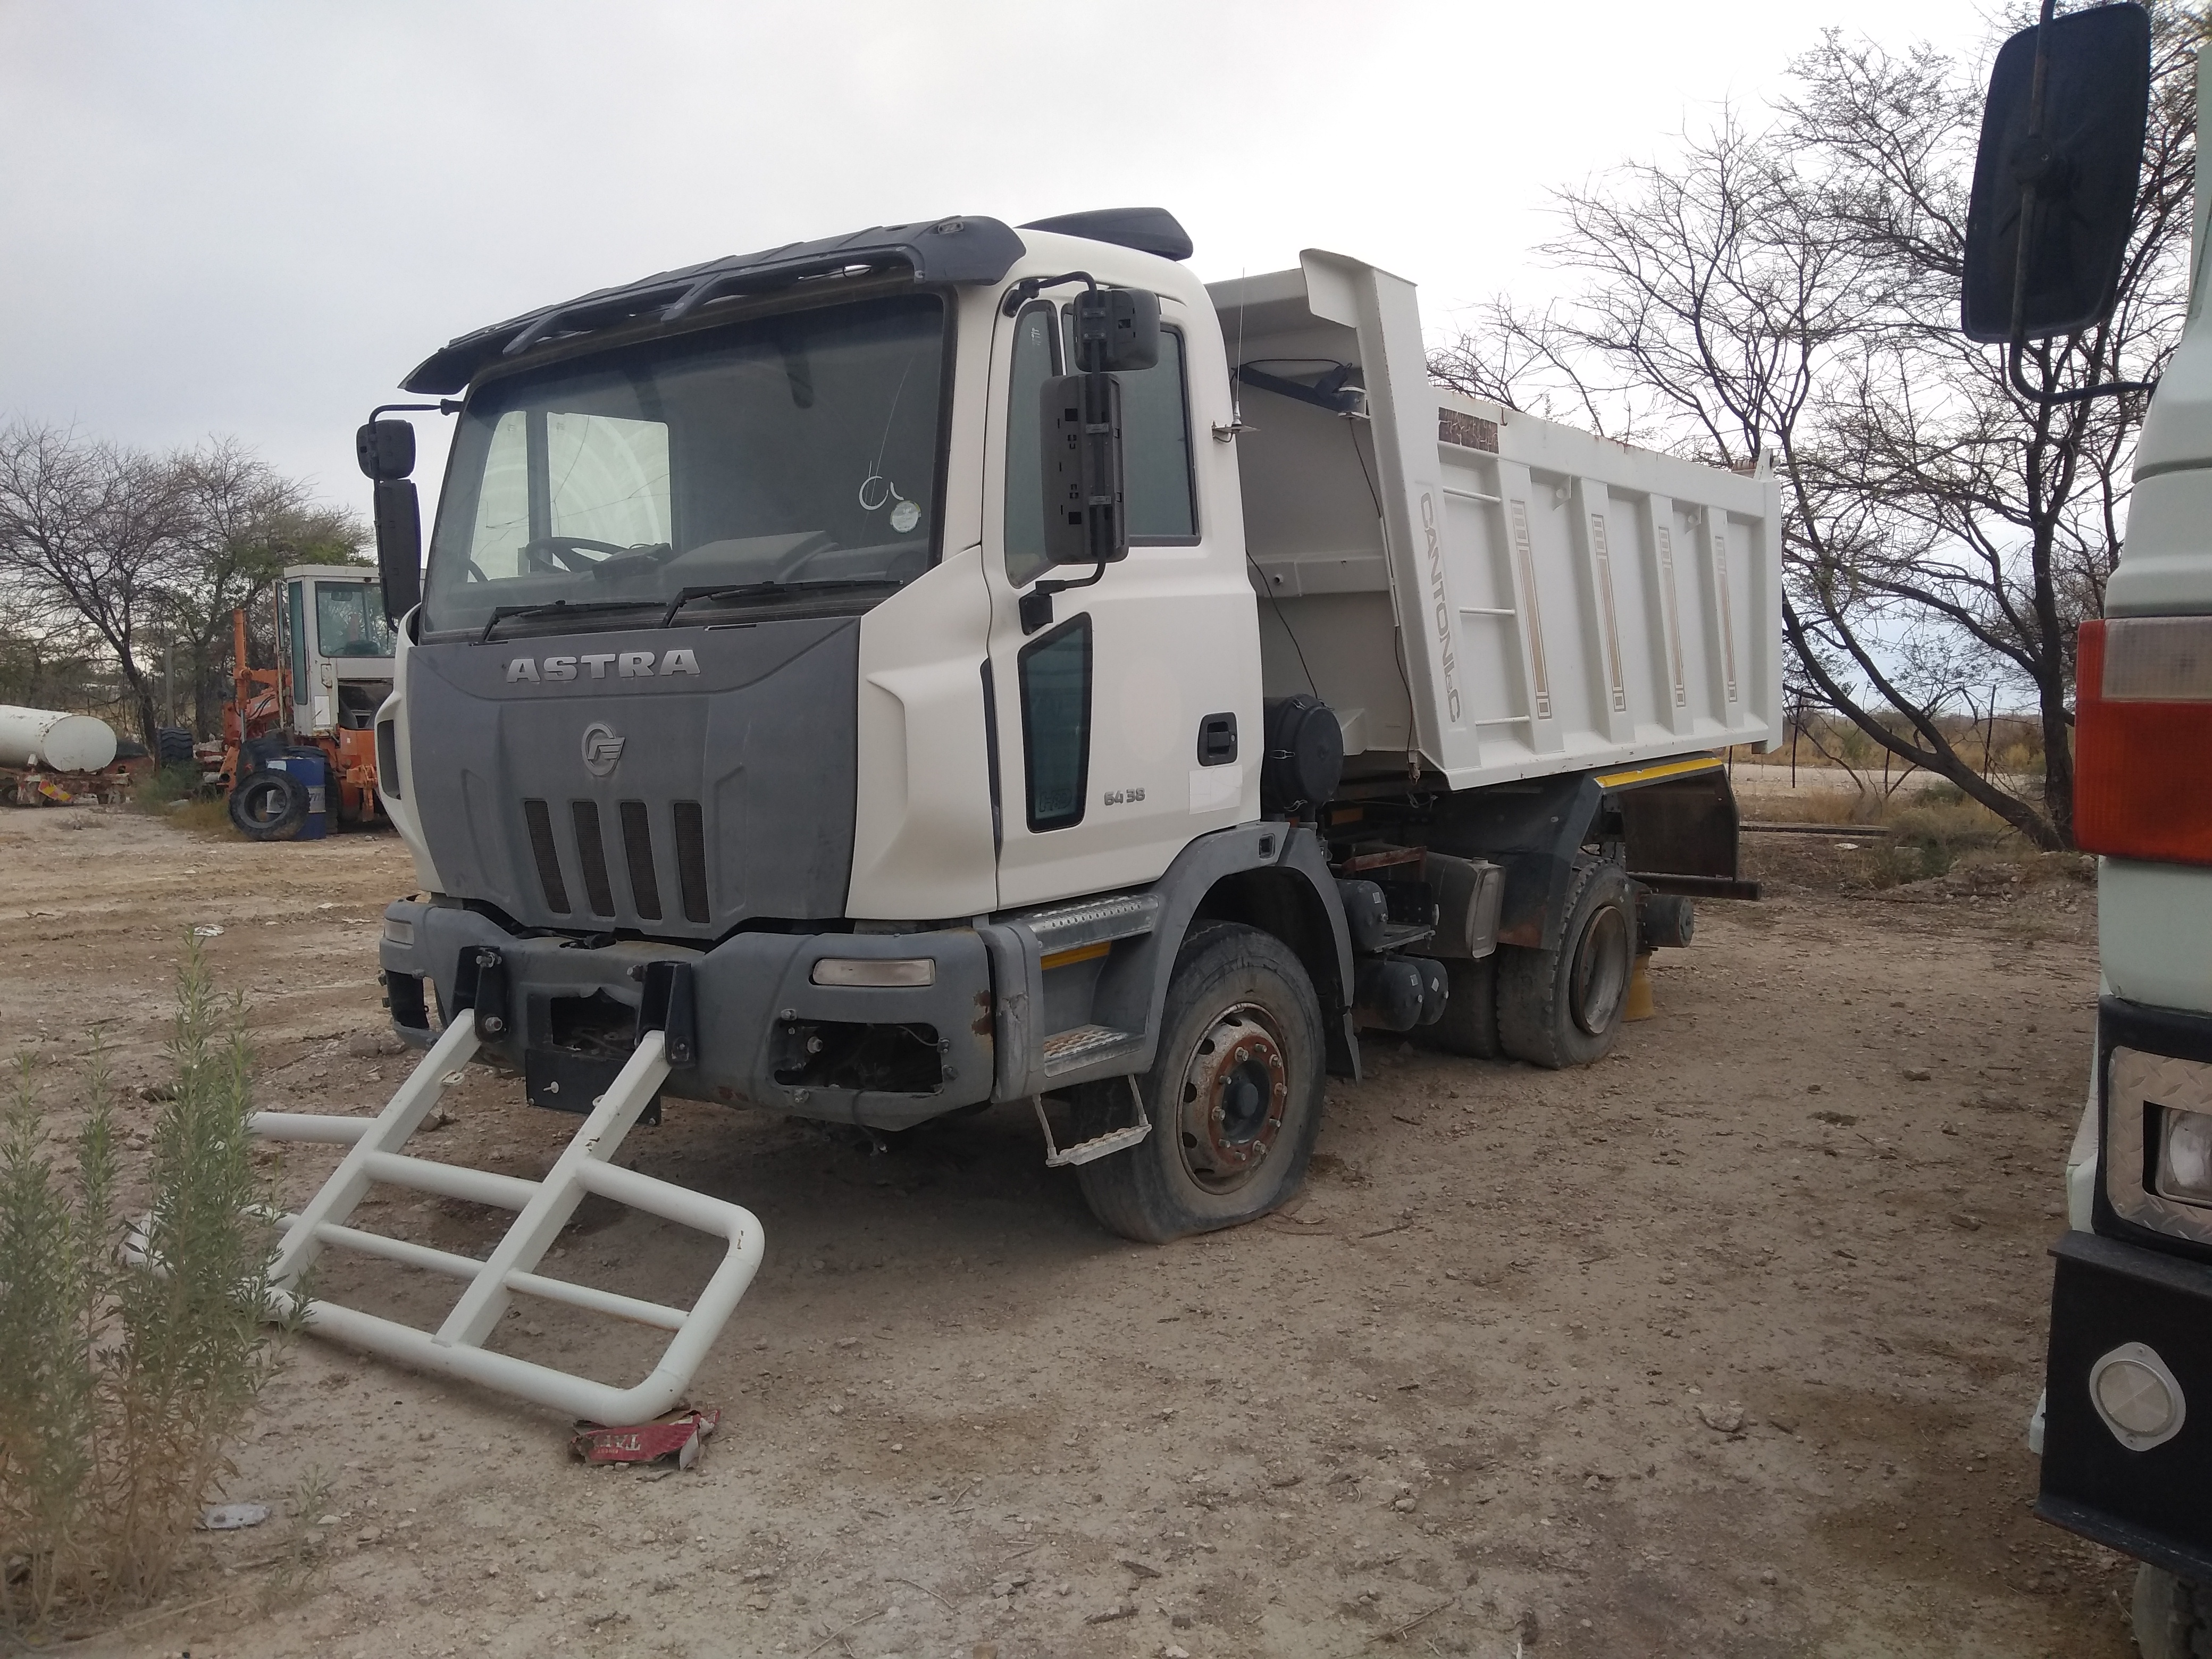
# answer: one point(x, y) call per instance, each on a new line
point(1563, 1007)
point(1233, 1094)
point(269, 807)
point(2172, 1616)
point(1469, 1025)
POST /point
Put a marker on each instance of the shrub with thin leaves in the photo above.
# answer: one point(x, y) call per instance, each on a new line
point(128, 1358)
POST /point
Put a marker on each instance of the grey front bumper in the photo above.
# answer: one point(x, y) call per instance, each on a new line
point(767, 1036)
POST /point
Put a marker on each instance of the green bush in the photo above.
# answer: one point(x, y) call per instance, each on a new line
point(154, 791)
point(1927, 838)
point(121, 1385)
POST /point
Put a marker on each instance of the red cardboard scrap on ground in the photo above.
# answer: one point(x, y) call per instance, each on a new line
point(675, 1438)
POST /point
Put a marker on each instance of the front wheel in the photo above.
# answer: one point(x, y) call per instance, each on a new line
point(2172, 1616)
point(1233, 1094)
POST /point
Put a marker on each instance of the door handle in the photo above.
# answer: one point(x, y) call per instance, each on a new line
point(1216, 740)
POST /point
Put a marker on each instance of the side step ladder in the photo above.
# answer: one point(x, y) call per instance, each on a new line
point(1098, 1147)
point(543, 1207)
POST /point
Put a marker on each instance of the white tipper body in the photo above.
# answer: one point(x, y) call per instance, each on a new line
point(1479, 594)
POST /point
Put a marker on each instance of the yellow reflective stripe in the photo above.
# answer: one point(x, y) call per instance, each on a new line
point(1665, 770)
point(1080, 953)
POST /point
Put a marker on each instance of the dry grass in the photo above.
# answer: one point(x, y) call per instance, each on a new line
point(176, 796)
point(1939, 828)
point(121, 1386)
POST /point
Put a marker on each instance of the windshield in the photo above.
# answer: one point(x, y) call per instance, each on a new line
point(800, 450)
point(349, 620)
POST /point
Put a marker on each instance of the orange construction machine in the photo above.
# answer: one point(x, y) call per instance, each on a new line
point(298, 740)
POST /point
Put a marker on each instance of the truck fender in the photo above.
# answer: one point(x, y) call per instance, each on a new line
point(1536, 831)
point(1270, 875)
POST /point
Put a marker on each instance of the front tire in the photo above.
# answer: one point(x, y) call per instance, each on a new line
point(1233, 1094)
point(1562, 1006)
point(2172, 1616)
point(269, 805)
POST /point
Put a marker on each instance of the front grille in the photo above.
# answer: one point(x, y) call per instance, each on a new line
point(592, 854)
point(548, 856)
point(691, 859)
point(637, 851)
point(579, 851)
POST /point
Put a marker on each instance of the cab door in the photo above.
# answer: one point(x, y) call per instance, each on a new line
point(1129, 723)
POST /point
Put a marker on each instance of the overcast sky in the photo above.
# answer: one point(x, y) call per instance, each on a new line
point(255, 218)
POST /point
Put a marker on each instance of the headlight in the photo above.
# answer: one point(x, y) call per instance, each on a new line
point(2163, 1104)
point(2185, 1157)
point(875, 972)
point(398, 932)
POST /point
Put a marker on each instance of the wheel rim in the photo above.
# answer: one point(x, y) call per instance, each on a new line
point(1234, 1093)
point(264, 804)
point(1601, 971)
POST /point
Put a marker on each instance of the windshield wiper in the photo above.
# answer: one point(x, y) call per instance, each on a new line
point(770, 590)
point(500, 613)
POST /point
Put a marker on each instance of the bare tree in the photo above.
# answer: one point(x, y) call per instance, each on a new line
point(1790, 288)
point(91, 528)
point(242, 523)
point(144, 552)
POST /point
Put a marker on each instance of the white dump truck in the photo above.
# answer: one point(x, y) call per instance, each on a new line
point(952, 663)
point(949, 663)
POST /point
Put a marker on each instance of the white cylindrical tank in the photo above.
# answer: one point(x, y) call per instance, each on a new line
point(57, 742)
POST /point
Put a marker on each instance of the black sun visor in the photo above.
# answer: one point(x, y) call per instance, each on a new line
point(936, 251)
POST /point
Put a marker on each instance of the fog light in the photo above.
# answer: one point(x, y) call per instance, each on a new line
point(875, 972)
point(2185, 1156)
point(396, 931)
point(2137, 1396)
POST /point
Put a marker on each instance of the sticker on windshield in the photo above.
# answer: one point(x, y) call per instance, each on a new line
point(905, 516)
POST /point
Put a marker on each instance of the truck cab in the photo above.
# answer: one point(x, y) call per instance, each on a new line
point(336, 642)
point(2124, 1425)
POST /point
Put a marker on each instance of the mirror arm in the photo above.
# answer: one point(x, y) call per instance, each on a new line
point(1036, 604)
point(2079, 394)
point(443, 406)
point(1029, 287)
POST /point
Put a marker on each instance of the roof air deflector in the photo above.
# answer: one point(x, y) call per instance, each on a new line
point(1146, 229)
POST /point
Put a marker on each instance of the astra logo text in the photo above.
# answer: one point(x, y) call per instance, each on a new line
point(602, 666)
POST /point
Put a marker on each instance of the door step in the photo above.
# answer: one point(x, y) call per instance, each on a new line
point(1094, 922)
point(1086, 1045)
point(1098, 1147)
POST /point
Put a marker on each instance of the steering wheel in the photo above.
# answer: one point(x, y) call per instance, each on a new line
point(540, 553)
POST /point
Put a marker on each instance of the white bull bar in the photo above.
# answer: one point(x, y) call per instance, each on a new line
point(456, 1348)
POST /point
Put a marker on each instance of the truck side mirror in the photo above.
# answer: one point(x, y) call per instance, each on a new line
point(386, 449)
point(398, 544)
point(2055, 179)
point(1115, 329)
point(1083, 479)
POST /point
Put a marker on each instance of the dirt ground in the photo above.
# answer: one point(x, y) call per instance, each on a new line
point(1726, 1346)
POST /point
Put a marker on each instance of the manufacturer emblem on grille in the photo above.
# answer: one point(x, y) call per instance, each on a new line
point(602, 749)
